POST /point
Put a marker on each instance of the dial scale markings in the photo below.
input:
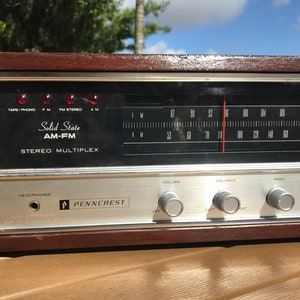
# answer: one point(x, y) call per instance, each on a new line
point(204, 124)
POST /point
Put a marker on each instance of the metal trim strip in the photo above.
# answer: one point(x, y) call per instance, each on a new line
point(155, 170)
point(149, 77)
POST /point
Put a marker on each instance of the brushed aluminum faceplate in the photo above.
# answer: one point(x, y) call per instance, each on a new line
point(70, 198)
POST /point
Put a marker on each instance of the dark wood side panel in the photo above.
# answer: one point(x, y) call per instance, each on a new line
point(146, 236)
point(149, 63)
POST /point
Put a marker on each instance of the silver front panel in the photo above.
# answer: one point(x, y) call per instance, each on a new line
point(54, 200)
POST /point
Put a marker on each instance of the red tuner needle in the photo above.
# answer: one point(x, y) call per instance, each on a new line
point(224, 125)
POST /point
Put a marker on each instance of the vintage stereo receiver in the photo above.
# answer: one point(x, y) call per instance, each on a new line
point(112, 150)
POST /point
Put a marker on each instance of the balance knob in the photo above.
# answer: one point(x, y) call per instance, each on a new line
point(170, 203)
point(226, 202)
point(280, 199)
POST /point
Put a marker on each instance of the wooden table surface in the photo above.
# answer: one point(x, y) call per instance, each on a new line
point(253, 271)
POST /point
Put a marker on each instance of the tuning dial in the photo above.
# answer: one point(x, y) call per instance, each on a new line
point(170, 203)
point(280, 199)
point(226, 202)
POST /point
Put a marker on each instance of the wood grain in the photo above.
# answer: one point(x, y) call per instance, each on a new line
point(148, 63)
point(262, 271)
point(92, 238)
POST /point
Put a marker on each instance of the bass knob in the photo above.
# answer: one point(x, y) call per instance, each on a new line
point(280, 199)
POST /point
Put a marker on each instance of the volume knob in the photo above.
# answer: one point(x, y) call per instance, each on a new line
point(170, 203)
point(226, 202)
point(280, 199)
